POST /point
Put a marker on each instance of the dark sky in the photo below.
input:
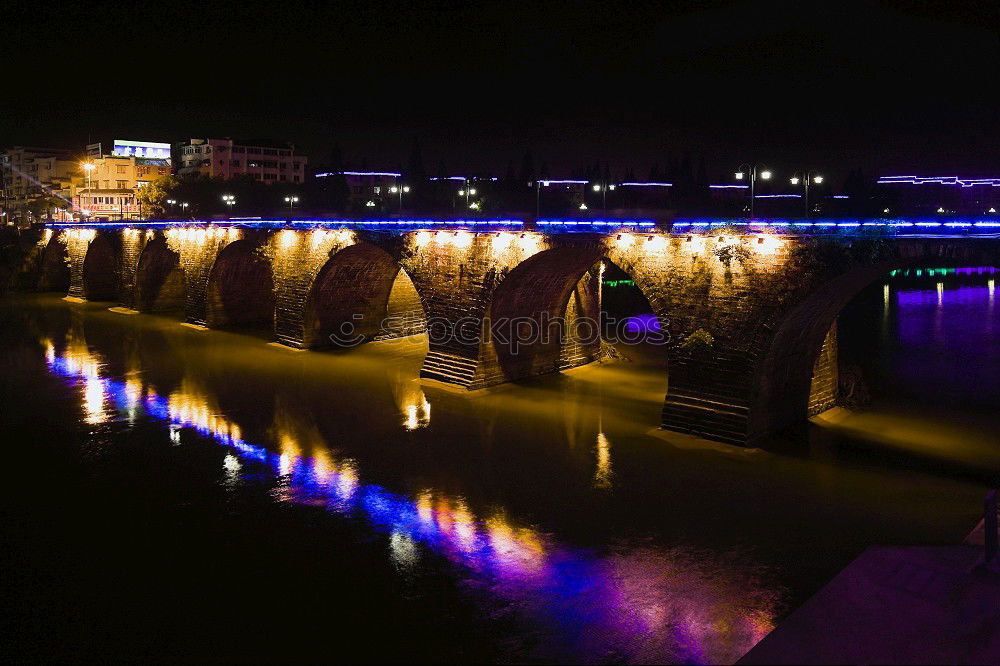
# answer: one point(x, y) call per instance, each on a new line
point(890, 86)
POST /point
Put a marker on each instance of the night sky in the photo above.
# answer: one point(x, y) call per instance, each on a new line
point(893, 87)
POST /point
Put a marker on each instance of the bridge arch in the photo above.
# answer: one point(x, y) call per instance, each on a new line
point(359, 294)
point(523, 334)
point(784, 378)
point(101, 269)
point(55, 272)
point(240, 287)
point(159, 279)
point(545, 314)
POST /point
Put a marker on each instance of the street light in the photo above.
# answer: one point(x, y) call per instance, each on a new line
point(230, 201)
point(88, 167)
point(538, 195)
point(404, 189)
point(291, 201)
point(752, 170)
point(603, 189)
point(806, 178)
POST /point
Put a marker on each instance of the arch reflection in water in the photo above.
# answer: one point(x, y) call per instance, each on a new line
point(640, 604)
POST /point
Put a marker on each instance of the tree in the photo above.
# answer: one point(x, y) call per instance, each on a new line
point(527, 173)
point(152, 198)
point(43, 207)
point(415, 172)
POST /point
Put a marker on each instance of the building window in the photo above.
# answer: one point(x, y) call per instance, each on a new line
point(236, 163)
point(120, 169)
point(122, 184)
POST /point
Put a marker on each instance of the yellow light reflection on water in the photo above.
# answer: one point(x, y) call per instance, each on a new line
point(602, 475)
point(418, 415)
point(650, 593)
point(93, 400)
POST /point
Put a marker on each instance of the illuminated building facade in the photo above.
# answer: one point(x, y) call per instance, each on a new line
point(107, 183)
point(226, 158)
point(28, 175)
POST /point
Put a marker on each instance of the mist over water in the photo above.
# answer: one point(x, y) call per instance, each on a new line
point(204, 495)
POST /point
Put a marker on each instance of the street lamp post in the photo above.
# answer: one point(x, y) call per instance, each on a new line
point(88, 167)
point(603, 189)
point(467, 191)
point(806, 179)
point(230, 201)
point(538, 195)
point(291, 201)
point(752, 171)
point(400, 190)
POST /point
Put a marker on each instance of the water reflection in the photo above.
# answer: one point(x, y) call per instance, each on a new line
point(602, 475)
point(636, 603)
point(933, 369)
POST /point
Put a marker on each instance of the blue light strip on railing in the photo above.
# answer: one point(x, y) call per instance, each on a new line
point(952, 226)
point(294, 224)
point(949, 225)
point(593, 225)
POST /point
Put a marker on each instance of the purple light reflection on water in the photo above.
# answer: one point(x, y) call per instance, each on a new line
point(948, 341)
point(638, 603)
point(643, 323)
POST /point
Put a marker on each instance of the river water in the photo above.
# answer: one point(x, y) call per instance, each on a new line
point(175, 494)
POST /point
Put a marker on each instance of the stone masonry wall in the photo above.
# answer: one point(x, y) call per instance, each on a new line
point(823, 387)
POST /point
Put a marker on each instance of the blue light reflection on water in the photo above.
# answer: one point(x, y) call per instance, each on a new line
point(640, 604)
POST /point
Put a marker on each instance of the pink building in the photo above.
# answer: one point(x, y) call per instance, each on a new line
point(225, 158)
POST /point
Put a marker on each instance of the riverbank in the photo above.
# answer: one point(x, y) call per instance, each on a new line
point(902, 605)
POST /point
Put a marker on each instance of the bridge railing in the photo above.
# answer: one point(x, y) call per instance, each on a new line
point(988, 226)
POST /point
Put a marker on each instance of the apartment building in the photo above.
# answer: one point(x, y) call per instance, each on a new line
point(226, 158)
point(28, 174)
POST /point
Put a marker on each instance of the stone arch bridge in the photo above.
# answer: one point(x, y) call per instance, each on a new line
point(749, 309)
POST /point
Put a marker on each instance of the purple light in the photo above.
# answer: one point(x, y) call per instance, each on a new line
point(549, 181)
point(729, 187)
point(643, 323)
point(938, 180)
point(777, 196)
point(646, 184)
point(358, 173)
